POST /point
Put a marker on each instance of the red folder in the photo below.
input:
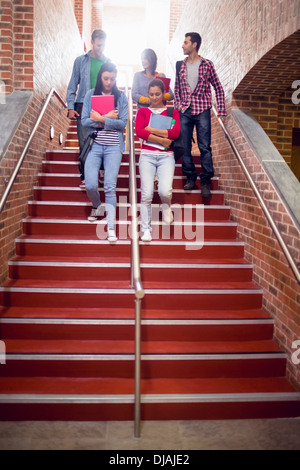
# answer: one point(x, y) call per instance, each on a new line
point(103, 103)
point(166, 83)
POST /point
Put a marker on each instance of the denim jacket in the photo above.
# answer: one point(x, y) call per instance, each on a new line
point(110, 124)
point(81, 76)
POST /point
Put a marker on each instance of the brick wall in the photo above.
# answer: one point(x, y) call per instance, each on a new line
point(97, 12)
point(277, 115)
point(236, 36)
point(271, 270)
point(16, 44)
point(6, 45)
point(84, 11)
point(78, 10)
point(176, 10)
point(267, 91)
point(56, 45)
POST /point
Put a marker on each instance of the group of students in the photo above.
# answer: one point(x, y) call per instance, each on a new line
point(95, 73)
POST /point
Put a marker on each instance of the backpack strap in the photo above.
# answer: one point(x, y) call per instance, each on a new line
point(170, 110)
point(178, 67)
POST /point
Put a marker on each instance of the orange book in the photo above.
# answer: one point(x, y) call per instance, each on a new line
point(103, 104)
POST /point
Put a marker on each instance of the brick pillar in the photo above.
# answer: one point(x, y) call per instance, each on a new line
point(23, 44)
point(176, 10)
point(97, 12)
point(6, 46)
point(78, 10)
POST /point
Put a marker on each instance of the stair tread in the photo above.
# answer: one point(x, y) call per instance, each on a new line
point(144, 261)
point(121, 313)
point(119, 386)
point(73, 285)
point(119, 284)
point(147, 347)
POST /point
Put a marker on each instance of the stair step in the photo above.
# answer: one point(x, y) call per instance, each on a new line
point(121, 329)
point(44, 398)
point(196, 231)
point(156, 272)
point(179, 359)
point(77, 313)
point(126, 347)
point(69, 164)
point(208, 298)
point(62, 155)
point(46, 387)
point(160, 249)
point(81, 210)
point(56, 193)
point(73, 180)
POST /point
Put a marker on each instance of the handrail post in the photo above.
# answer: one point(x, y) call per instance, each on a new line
point(135, 273)
point(261, 201)
point(137, 384)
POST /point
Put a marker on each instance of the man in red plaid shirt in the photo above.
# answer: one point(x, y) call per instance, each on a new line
point(193, 99)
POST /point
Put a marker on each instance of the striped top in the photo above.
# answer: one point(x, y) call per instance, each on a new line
point(107, 137)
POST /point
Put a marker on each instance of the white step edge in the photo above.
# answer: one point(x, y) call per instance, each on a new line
point(155, 398)
point(66, 290)
point(63, 150)
point(78, 203)
point(145, 357)
point(120, 176)
point(75, 188)
point(124, 242)
point(35, 220)
point(80, 265)
point(118, 322)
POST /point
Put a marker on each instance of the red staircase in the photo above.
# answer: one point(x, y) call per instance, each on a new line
point(67, 315)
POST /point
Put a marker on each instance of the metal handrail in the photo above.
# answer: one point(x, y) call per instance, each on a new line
point(135, 270)
point(21, 159)
point(265, 209)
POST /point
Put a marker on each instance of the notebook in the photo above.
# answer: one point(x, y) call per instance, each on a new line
point(159, 121)
point(103, 104)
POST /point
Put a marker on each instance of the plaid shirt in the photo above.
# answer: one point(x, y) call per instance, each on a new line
point(201, 98)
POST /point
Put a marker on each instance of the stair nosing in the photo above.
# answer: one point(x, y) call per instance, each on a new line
point(80, 203)
point(144, 357)
point(153, 243)
point(130, 290)
point(149, 398)
point(36, 220)
point(75, 188)
point(154, 322)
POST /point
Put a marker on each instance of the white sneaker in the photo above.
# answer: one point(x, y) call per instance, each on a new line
point(168, 217)
point(82, 184)
point(111, 236)
point(146, 237)
point(95, 214)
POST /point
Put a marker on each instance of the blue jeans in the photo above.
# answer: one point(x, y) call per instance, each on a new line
point(150, 165)
point(111, 157)
point(202, 122)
